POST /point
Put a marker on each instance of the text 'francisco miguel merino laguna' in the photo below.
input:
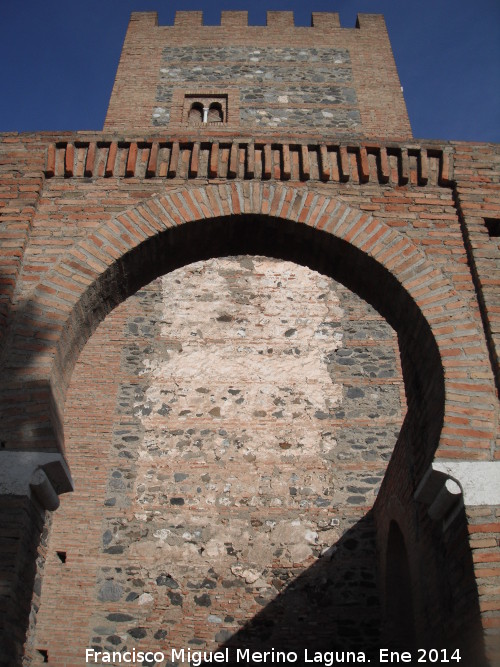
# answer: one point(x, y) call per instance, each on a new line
point(316, 658)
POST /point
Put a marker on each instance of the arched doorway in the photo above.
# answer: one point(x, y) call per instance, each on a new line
point(228, 428)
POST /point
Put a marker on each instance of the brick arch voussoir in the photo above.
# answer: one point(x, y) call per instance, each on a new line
point(63, 291)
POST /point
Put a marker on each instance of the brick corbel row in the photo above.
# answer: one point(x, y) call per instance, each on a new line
point(261, 160)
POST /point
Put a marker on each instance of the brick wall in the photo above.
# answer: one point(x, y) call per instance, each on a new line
point(479, 206)
point(21, 180)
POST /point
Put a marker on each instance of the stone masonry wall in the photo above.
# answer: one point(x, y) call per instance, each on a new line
point(228, 429)
point(292, 88)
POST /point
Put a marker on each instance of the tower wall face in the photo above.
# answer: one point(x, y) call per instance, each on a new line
point(275, 78)
point(232, 324)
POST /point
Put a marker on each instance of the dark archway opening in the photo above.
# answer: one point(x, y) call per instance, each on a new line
point(399, 616)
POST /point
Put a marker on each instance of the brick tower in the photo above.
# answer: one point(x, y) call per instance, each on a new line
point(275, 78)
point(252, 325)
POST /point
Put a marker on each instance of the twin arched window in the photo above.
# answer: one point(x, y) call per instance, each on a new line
point(203, 115)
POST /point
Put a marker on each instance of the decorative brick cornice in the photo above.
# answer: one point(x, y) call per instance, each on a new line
point(260, 159)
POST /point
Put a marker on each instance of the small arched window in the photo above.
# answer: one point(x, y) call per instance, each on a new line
point(215, 114)
point(195, 114)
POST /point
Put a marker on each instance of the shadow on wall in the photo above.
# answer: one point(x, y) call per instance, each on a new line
point(334, 608)
point(20, 428)
point(21, 519)
point(333, 605)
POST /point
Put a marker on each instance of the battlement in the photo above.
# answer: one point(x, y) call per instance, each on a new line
point(274, 19)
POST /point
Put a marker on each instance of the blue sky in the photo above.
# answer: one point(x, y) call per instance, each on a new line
point(58, 57)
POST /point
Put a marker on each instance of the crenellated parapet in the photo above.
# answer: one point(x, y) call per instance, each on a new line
point(189, 19)
point(274, 19)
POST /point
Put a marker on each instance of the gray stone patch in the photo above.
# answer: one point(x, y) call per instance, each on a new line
point(356, 500)
point(104, 629)
point(248, 73)
point(121, 534)
point(262, 498)
point(137, 633)
point(325, 95)
point(161, 114)
point(378, 401)
point(131, 596)
point(245, 54)
point(223, 635)
point(203, 600)
point(368, 330)
point(119, 618)
point(114, 640)
point(214, 619)
point(368, 362)
point(110, 592)
point(347, 119)
point(361, 443)
point(166, 580)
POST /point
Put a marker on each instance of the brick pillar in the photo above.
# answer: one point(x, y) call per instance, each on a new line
point(29, 486)
point(21, 523)
point(468, 553)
